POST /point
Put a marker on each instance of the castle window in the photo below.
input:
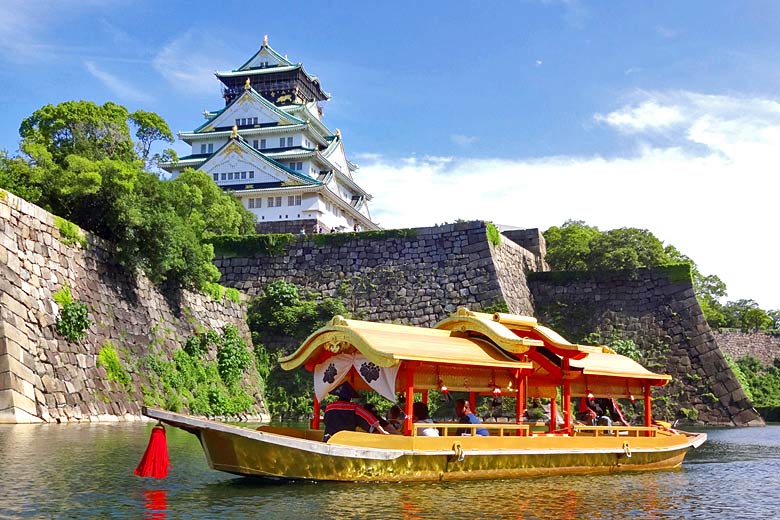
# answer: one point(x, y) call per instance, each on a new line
point(238, 122)
point(289, 141)
point(203, 148)
point(270, 202)
point(251, 203)
point(262, 144)
point(254, 120)
point(294, 200)
point(216, 177)
point(251, 174)
point(224, 176)
point(230, 176)
point(281, 142)
point(243, 175)
point(211, 147)
point(254, 144)
point(299, 166)
point(278, 202)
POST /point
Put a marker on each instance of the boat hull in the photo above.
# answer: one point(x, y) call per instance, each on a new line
point(352, 456)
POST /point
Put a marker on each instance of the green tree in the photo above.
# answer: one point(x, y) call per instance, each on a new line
point(626, 248)
point(774, 315)
point(569, 246)
point(149, 128)
point(79, 128)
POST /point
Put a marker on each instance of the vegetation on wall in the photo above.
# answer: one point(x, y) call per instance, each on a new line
point(79, 161)
point(251, 245)
point(575, 246)
point(109, 359)
point(761, 381)
point(191, 381)
point(70, 233)
point(286, 317)
point(493, 235)
point(73, 320)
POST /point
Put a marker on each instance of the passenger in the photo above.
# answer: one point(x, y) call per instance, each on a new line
point(395, 416)
point(343, 414)
point(382, 422)
point(420, 415)
point(465, 416)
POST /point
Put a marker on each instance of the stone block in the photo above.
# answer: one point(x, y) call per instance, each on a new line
point(17, 368)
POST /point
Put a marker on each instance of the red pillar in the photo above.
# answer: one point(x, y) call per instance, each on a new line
point(473, 401)
point(315, 419)
point(409, 399)
point(648, 404)
point(553, 413)
point(425, 396)
point(566, 396)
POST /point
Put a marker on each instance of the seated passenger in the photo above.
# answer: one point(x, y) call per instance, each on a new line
point(465, 416)
point(420, 415)
point(343, 414)
point(382, 421)
point(395, 416)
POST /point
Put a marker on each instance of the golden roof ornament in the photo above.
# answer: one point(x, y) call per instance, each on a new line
point(247, 85)
point(338, 133)
point(265, 40)
point(234, 133)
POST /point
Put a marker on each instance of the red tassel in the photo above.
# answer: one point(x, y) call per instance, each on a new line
point(155, 461)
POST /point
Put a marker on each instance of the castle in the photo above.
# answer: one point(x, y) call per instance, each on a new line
point(271, 148)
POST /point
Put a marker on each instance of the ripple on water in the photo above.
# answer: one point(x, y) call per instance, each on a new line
point(85, 471)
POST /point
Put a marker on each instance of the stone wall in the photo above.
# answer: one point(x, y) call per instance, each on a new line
point(657, 310)
point(45, 378)
point(416, 279)
point(762, 346)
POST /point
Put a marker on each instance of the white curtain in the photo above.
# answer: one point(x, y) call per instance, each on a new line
point(330, 373)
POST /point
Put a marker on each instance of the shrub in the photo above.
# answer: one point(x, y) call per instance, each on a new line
point(493, 235)
point(109, 359)
point(73, 321)
point(233, 358)
point(70, 233)
point(233, 295)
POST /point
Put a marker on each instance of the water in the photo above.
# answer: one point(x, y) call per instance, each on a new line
point(85, 471)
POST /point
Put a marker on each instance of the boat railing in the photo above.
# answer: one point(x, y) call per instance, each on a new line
point(617, 430)
point(449, 429)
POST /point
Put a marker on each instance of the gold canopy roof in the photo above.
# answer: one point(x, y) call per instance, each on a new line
point(588, 360)
point(387, 345)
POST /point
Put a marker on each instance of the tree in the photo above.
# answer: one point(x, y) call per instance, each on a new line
point(626, 248)
point(568, 246)
point(774, 315)
point(149, 128)
point(79, 128)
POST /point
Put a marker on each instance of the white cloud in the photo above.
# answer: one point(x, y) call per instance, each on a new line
point(185, 65)
point(716, 203)
point(463, 140)
point(117, 86)
point(648, 115)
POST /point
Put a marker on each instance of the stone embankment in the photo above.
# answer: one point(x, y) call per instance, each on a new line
point(44, 378)
point(416, 279)
point(657, 310)
point(762, 346)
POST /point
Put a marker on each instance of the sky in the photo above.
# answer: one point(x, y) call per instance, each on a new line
point(660, 115)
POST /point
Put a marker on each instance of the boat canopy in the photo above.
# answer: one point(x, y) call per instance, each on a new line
point(591, 369)
point(433, 357)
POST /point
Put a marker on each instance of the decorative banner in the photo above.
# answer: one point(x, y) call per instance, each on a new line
point(330, 373)
point(382, 380)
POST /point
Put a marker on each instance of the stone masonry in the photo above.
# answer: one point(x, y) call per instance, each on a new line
point(43, 378)
point(662, 317)
point(414, 280)
point(762, 346)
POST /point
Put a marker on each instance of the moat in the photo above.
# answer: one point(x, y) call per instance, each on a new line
point(85, 471)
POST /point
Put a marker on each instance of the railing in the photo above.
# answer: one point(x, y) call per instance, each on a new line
point(614, 431)
point(495, 429)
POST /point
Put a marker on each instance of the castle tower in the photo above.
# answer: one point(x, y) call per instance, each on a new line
point(270, 147)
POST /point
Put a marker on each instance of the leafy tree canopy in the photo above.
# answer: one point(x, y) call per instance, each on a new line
point(79, 162)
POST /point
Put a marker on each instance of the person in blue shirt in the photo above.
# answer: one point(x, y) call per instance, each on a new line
point(465, 416)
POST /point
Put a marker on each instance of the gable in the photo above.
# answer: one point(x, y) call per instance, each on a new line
point(248, 110)
point(264, 58)
point(233, 158)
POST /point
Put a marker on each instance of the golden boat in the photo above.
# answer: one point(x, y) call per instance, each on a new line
point(476, 353)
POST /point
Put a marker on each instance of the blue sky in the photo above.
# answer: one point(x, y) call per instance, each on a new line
point(658, 115)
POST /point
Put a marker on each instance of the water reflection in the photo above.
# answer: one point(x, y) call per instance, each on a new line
point(85, 471)
point(156, 504)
